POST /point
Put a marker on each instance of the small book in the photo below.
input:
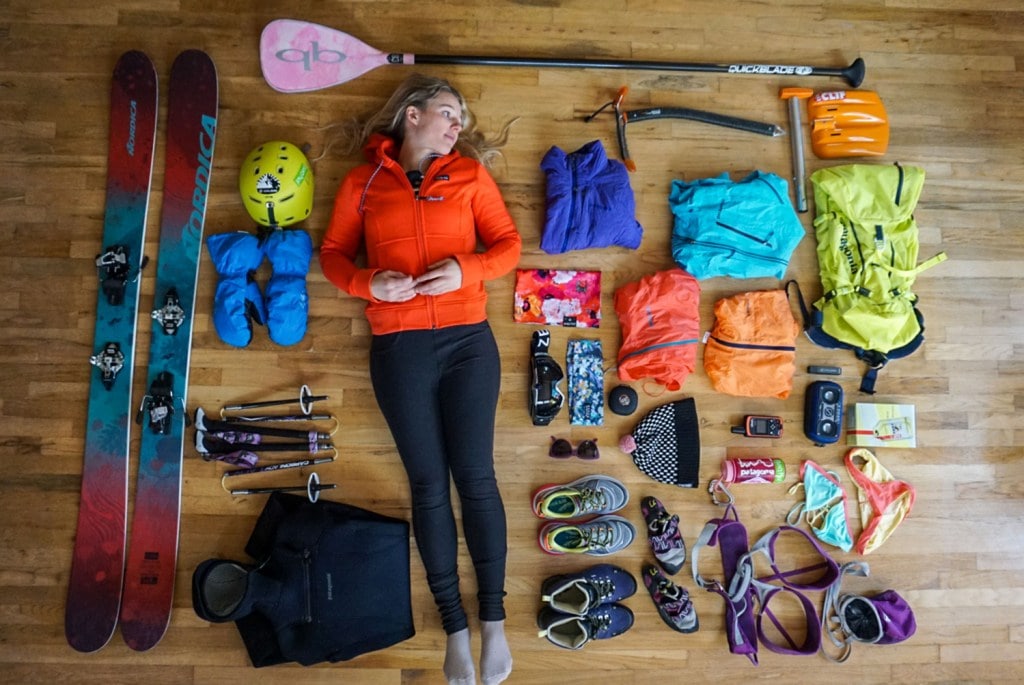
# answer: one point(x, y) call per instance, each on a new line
point(873, 424)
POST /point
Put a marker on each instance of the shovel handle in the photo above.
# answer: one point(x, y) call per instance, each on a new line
point(796, 139)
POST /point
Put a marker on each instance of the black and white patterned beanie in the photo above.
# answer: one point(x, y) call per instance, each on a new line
point(666, 444)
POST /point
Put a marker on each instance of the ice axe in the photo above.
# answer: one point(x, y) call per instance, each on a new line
point(623, 117)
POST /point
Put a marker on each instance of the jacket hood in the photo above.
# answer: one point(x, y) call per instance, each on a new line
point(379, 147)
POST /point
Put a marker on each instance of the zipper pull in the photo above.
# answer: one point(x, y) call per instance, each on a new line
point(308, 584)
point(415, 180)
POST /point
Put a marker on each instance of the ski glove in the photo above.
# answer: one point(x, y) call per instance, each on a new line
point(237, 301)
point(289, 252)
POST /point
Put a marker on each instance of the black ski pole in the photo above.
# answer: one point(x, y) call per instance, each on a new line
point(305, 400)
point(270, 418)
point(312, 489)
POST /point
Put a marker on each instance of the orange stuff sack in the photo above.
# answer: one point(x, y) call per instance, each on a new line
point(660, 320)
point(751, 350)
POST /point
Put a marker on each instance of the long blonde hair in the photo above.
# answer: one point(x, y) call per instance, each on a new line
point(416, 91)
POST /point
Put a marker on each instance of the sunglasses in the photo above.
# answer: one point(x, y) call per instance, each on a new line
point(563, 449)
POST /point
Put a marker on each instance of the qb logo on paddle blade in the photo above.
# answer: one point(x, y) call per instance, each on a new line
point(307, 57)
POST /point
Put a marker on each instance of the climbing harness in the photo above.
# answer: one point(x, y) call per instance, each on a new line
point(748, 595)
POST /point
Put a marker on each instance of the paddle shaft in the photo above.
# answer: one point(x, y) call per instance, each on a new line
point(853, 74)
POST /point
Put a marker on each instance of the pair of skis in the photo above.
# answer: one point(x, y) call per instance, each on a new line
point(106, 584)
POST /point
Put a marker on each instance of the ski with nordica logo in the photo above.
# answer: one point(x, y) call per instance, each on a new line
point(152, 554)
point(97, 562)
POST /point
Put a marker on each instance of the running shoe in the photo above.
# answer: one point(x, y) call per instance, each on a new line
point(573, 632)
point(587, 496)
point(672, 602)
point(599, 537)
point(664, 536)
point(578, 593)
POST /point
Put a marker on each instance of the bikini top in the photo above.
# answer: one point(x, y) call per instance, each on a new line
point(824, 506)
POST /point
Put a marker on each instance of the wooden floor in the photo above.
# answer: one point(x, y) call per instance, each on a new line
point(952, 77)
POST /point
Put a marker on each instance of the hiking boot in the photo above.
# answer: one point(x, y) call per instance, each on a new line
point(664, 536)
point(672, 602)
point(598, 537)
point(587, 496)
point(572, 632)
point(578, 593)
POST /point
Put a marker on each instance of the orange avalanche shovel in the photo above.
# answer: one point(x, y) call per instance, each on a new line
point(848, 123)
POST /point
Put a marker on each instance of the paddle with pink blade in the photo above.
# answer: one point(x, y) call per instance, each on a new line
point(299, 56)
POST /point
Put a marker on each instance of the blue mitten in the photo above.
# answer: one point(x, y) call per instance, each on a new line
point(289, 252)
point(237, 301)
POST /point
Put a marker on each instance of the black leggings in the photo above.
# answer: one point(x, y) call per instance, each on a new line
point(438, 390)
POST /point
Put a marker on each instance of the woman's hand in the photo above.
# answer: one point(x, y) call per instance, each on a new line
point(392, 286)
point(441, 277)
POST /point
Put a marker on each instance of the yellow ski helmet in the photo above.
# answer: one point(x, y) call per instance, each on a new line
point(276, 184)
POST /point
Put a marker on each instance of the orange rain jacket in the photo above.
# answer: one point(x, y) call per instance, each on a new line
point(458, 205)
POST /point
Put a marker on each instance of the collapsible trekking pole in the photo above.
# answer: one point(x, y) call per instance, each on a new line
point(224, 443)
point(297, 464)
point(312, 489)
point(305, 400)
point(203, 423)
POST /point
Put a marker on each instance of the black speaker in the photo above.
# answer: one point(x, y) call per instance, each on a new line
point(823, 412)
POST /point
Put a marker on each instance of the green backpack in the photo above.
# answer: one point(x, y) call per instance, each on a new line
point(867, 259)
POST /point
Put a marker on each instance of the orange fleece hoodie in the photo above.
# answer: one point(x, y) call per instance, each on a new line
point(458, 206)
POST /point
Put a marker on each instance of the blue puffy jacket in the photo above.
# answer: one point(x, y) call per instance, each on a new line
point(589, 201)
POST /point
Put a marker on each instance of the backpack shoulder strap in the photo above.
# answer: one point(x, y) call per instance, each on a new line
point(873, 359)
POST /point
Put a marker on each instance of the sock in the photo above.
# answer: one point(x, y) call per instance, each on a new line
point(495, 656)
point(458, 659)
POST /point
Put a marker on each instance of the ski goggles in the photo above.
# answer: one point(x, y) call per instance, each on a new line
point(545, 398)
point(563, 449)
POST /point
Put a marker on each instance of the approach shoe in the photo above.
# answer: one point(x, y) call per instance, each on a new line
point(672, 602)
point(578, 593)
point(663, 534)
point(572, 632)
point(588, 496)
point(598, 537)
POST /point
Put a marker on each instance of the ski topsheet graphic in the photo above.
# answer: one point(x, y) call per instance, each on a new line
point(97, 563)
point(152, 554)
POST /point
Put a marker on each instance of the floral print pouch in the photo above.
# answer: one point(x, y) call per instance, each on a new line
point(554, 297)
